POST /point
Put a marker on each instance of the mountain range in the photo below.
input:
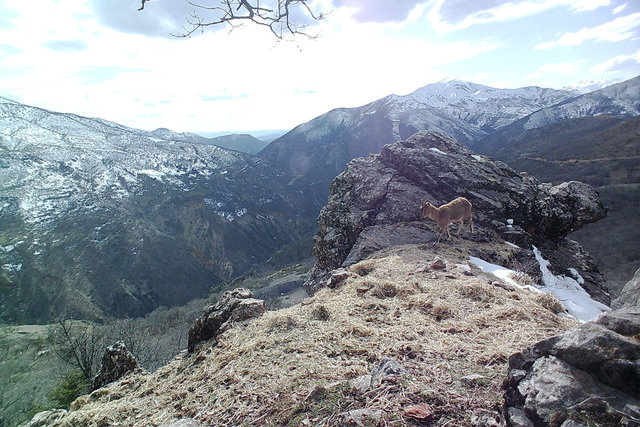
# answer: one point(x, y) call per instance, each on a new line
point(495, 122)
point(103, 220)
point(318, 150)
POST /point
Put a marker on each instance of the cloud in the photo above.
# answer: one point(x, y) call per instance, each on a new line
point(624, 63)
point(557, 68)
point(100, 74)
point(451, 15)
point(170, 18)
point(224, 96)
point(66, 45)
point(158, 19)
point(6, 17)
point(9, 50)
point(380, 10)
point(617, 30)
point(619, 9)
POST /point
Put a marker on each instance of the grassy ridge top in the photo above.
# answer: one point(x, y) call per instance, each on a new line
point(440, 325)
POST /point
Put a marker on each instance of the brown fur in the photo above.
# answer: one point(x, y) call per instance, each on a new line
point(458, 210)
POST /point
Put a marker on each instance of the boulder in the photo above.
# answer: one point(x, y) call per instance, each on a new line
point(630, 295)
point(235, 305)
point(588, 374)
point(46, 418)
point(375, 204)
point(387, 370)
point(117, 362)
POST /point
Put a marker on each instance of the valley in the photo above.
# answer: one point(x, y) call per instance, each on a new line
point(104, 223)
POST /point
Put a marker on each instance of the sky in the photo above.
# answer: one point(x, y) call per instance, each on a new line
point(106, 59)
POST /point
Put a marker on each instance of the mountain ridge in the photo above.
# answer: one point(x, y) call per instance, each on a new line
point(319, 149)
point(99, 219)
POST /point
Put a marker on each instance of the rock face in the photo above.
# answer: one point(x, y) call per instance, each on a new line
point(375, 202)
point(236, 305)
point(117, 361)
point(588, 374)
point(630, 296)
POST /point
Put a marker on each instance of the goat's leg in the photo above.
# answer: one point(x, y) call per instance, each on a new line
point(461, 225)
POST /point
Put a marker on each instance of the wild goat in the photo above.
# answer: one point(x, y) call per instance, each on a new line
point(458, 210)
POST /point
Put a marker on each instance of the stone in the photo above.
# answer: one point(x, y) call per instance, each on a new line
point(421, 412)
point(630, 295)
point(438, 264)
point(218, 316)
point(337, 277)
point(464, 269)
point(572, 423)
point(375, 204)
point(117, 362)
point(517, 418)
point(361, 384)
point(248, 308)
point(46, 418)
point(387, 369)
point(623, 321)
point(588, 374)
point(363, 417)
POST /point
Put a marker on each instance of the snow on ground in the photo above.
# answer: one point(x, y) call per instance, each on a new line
point(567, 290)
point(500, 272)
point(574, 298)
point(434, 149)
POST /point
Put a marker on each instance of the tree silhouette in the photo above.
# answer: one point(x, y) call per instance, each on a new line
point(282, 17)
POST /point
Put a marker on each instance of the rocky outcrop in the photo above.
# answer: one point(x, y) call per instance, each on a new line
point(46, 418)
point(117, 362)
point(375, 203)
point(630, 295)
point(236, 305)
point(590, 375)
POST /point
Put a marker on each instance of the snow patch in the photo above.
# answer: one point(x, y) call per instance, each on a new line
point(478, 158)
point(500, 272)
point(576, 276)
point(575, 299)
point(12, 267)
point(157, 175)
point(435, 150)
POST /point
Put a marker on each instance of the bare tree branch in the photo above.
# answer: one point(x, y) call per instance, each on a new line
point(277, 16)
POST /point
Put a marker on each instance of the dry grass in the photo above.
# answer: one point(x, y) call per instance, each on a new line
point(295, 364)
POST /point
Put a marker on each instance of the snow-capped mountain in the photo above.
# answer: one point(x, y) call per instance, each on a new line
point(319, 149)
point(88, 205)
point(484, 107)
point(618, 100)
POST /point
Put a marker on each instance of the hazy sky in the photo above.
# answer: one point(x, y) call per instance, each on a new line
point(103, 58)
